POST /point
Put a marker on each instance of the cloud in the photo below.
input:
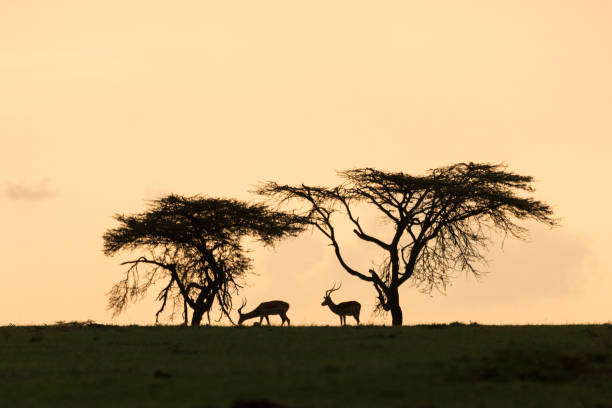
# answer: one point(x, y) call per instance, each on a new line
point(21, 192)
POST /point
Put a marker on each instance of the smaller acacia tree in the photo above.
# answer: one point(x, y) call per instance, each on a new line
point(194, 246)
point(441, 222)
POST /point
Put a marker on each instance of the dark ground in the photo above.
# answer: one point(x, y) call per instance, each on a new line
point(77, 365)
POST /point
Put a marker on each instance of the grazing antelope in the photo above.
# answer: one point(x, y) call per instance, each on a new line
point(273, 307)
point(351, 308)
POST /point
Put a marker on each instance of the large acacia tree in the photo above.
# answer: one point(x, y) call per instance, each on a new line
point(441, 221)
point(193, 245)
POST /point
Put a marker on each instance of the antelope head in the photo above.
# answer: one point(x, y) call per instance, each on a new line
point(327, 299)
point(241, 319)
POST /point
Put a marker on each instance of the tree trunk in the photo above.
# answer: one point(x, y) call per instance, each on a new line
point(198, 313)
point(394, 307)
point(396, 315)
point(202, 305)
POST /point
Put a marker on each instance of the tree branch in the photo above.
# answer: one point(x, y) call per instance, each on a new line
point(163, 295)
point(172, 269)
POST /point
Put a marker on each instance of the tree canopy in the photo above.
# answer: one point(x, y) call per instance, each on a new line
point(442, 221)
point(194, 245)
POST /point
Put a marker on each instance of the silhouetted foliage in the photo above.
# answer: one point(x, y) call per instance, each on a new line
point(194, 246)
point(441, 221)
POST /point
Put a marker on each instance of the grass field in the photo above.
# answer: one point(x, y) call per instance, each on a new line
point(79, 365)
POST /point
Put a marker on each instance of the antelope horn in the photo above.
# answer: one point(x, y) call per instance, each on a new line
point(333, 289)
point(244, 302)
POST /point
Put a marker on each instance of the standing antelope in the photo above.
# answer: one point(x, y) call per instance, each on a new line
point(351, 308)
point(273, 307)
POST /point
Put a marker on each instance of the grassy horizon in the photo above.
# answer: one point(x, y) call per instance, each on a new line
point(438, 365)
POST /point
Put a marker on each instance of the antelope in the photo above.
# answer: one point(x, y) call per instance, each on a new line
point(273, 307)
point(351, 308)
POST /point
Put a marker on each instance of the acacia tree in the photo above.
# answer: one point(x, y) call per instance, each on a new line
point(194, 246)
point(441, 222)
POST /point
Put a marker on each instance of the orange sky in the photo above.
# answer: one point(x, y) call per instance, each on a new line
point(105, 104)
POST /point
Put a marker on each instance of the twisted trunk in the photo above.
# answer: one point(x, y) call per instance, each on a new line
point(202, 304)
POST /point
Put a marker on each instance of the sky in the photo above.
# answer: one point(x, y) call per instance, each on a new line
point(105, 105)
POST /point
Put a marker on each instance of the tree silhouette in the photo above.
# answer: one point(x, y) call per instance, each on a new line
point(441, 221)
point(194, 246)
